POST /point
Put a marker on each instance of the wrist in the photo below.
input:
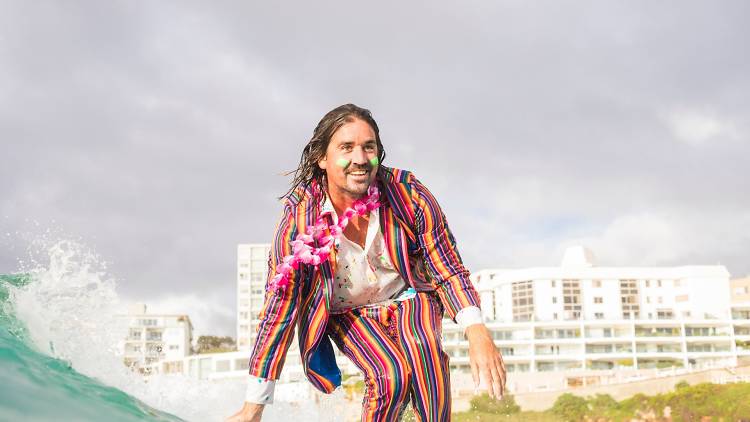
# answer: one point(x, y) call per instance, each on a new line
point(474, 330)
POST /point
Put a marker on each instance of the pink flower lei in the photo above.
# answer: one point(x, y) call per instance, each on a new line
point(303, 246)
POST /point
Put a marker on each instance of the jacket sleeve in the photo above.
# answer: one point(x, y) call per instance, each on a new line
point(442, 260)
point(279, 313)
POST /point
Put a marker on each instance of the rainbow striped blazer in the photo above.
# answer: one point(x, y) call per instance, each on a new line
point(422, 249)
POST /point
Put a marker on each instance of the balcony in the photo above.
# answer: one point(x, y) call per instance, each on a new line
point(608, 348)
point(556, 350)
point(657, 332)
point(658, 348)
point(708, 348)
point(707, 331)
point(542, 334)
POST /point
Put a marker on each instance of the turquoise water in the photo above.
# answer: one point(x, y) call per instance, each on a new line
point(62, 329)
point(37, 387)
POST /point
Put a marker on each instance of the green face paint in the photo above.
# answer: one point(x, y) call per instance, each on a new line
point(374, 161)
point(342, 162)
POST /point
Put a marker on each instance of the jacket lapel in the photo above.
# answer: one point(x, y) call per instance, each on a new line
point(395, 232)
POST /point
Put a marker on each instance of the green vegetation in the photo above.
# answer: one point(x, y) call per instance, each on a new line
point(686, 403)
point(215, 344)
point(484, 409)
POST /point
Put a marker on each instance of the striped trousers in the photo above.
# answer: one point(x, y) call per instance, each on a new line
point(398, 348)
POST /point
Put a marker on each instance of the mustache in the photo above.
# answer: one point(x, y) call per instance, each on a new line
point(353, 168)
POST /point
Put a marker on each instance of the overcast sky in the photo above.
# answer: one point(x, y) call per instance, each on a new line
point(156, 133)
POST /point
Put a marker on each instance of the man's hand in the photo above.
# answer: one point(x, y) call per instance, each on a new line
point(485, 360)
point(250, 412)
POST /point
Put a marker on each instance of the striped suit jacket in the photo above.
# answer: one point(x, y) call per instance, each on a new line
point(419, 242)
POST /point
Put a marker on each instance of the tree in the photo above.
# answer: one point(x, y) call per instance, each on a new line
point(570, 408)
point(505, 406)
point(215, 344)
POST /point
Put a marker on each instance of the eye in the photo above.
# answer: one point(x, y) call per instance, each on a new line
point(370, 147)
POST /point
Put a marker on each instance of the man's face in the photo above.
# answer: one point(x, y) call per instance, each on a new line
point(347, 160)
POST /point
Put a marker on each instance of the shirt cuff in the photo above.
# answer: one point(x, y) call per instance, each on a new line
point(467, 316)
point(259, 390)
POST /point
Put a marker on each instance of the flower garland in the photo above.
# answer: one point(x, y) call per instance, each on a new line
point(303, 246)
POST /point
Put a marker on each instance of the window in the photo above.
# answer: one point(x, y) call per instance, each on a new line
point(598, 299)
point(554, 299)
point(597, 283)
point(629, 298)
point(523, 300)
point(147, 322)
point(599, 315)
point(658, 299)
point(664, 314)
point(648, 299)
point(658, 283)
point(243, 276)
point(554, 284)
point(173, 347)
point(222, 365)
point(260, 252)
point(648, 283)
point(572, 299)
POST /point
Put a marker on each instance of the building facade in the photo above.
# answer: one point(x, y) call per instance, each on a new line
point(155, 337)
point(252, 272)
point(740, 290)
point(582, 317)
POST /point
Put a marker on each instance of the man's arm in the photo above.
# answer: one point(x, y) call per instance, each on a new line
point(276, 330)
point(279, 313)
point(441, 257)
point(455, 289)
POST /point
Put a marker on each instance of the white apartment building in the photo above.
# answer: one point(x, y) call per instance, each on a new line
point(740, 290)
point(155, 337)
point(252, 272)
point(581, 317)
point(234, 365)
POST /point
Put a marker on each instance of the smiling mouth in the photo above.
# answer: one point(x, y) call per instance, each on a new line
point(358, 173)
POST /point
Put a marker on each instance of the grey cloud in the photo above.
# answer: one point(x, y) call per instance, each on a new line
point(158, 132)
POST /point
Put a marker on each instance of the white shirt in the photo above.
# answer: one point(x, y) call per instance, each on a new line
point(364, 277)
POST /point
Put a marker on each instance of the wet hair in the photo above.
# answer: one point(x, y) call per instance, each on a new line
point(308, 171)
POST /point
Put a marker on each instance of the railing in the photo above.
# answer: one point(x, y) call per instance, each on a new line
point(642, 333)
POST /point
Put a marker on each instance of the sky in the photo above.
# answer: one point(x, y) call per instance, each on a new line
point(158, 133)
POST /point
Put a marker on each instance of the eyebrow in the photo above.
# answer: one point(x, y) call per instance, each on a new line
point(368, 142)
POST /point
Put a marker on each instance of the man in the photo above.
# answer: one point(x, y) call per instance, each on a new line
point(363, 257)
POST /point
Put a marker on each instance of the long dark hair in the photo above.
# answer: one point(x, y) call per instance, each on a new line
point(308, 171)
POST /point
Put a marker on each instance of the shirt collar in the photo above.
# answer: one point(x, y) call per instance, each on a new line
point(373, 227)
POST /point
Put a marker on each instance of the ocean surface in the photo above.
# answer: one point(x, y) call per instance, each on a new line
point(60, 360)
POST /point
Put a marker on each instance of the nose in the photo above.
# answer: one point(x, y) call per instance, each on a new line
point(359, 156)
